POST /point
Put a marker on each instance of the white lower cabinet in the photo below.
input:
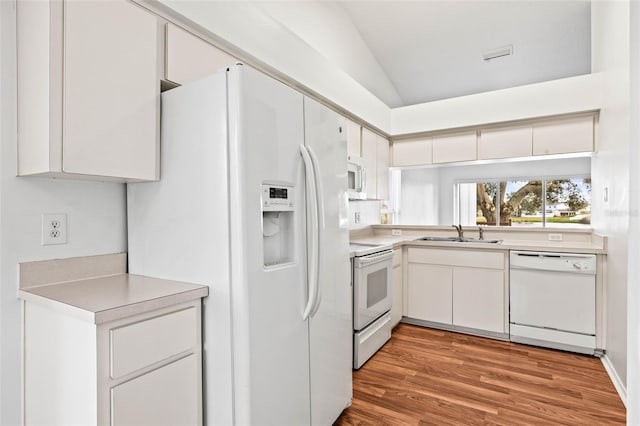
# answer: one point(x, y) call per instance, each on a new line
point(430, 288)
point(397, 303)
point(458, 288)
point(145, 369)
point(478, 299)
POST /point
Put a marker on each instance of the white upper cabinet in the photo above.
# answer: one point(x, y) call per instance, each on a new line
point(412, 152)
point(88, 92)
point(454, 147)
point(369, 156)
point(375, 154)
point(189, 58)
point(354, 135)
point(506, 142)
point(382, 169)
point(568, 135)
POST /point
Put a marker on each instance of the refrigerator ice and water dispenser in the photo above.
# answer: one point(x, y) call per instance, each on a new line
point(277, 224)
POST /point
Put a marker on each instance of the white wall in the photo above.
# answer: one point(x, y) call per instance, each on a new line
point(369, 211)
point(420, 197)
point(611, 166)
point(327, 28)
point(633, 289)
point(554, 97)
point(95, 211)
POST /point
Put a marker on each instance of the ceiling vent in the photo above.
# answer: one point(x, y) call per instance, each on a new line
point(498, 53)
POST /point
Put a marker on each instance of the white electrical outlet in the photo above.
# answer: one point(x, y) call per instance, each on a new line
point(396, 232)
point(555, 237)
point(54, 229)
point(356, 217)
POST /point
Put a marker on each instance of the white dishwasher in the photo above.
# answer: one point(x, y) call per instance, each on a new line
point(552, 300)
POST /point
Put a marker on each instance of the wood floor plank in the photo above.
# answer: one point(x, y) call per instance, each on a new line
point(424, 376)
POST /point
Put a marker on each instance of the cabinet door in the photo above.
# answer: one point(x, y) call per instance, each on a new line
point(412, 152)
point(382, 169)
point(112, 72)
point(190, 58)
point(429, 292)
point(164, 397)
point(505, 143)
point(369, 157)
point(478, 299)
point(354, 134)
point(563, 136)
point(398, 298)
point(456, 147)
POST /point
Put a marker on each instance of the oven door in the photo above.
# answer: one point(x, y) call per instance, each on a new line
point(371, 287)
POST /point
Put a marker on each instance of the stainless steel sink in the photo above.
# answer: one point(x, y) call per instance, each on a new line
point(459, 240)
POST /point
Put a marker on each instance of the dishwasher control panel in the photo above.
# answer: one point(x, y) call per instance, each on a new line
point(549, 261)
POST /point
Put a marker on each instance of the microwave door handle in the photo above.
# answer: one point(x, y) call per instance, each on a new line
point(312, 273)
point(320, 229)
point(363, 180)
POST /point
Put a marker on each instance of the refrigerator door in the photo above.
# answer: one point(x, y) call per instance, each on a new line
point(178, 227)
point(330, 327)
point(271, 352)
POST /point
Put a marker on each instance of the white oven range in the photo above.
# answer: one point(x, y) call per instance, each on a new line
point(372, 292)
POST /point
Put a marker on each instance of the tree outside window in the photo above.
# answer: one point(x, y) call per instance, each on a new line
point(561, 202)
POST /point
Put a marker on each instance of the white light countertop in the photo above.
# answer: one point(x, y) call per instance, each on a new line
point(110, 294)
point(581, 241)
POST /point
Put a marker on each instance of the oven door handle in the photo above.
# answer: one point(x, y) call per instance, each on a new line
point(373, 258)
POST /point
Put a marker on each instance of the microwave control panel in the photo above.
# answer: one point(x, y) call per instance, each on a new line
point(277, 198)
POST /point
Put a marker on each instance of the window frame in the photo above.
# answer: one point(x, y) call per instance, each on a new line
point(457, 208)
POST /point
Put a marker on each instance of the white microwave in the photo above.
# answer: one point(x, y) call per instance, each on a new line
point(356, 178)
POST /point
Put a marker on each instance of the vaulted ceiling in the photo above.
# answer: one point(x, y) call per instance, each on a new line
point(433, 50)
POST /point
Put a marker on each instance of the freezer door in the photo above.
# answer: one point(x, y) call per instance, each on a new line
point(271, 350)
point(330, 326)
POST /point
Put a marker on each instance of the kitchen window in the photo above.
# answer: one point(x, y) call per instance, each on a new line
point(556, 202)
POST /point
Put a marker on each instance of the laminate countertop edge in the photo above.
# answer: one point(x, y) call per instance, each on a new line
point(561, 247)
point(103, 299)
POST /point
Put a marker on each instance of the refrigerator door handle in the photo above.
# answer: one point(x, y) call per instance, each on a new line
point(312, 273)
point(320, 229)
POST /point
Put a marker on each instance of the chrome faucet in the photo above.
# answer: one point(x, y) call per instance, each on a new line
point(481, 232)
point(459, 229)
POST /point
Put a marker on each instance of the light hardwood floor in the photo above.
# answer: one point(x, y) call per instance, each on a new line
point(425, 376)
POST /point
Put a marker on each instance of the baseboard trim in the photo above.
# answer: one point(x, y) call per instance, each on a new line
point(615, 379)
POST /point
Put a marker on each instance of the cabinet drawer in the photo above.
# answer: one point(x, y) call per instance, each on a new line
point(138, 345)
point(163, 397)
point(468, 258)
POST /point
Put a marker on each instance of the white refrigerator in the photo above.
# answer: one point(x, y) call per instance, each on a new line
point(252, 202)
